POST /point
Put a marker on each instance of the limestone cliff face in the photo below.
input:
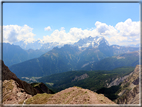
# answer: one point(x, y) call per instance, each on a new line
point(117, 81)
point(129, 93)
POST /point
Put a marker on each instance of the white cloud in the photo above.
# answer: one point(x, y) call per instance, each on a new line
point(128, 28)
point(59, 36)
point(101, 27)
point(48, 28)
point(62, 28)
point(124, 33)
point(72, 36)
point(14, 33)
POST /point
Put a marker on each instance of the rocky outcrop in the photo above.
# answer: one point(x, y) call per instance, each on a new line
point(130, 96)
point(72, 95)
point(12, 94)
point(15, 91)
point(8, 75)
point(117, 81)
point(81, 77)
point(129, 93)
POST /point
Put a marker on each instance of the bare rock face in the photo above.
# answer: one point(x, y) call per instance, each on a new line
point(129, 93)
point(12, 94)
point(133, 76)
point(77, 78)
point(14, 89)
point(117, 81)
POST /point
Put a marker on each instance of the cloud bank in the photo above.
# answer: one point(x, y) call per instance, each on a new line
point(123, 33)
point(48, 28)
point(15, 33)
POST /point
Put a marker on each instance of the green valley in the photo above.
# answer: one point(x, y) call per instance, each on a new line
point(92, 80)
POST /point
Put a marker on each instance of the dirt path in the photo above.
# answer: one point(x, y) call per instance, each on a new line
point(93, 97)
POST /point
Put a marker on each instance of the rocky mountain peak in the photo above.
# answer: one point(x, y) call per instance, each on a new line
point(91, 42)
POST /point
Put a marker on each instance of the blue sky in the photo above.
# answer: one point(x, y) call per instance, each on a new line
point(68, 20)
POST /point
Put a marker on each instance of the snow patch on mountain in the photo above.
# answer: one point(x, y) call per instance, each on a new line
point(93, 42)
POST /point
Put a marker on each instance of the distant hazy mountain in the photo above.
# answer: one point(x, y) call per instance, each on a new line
point(82, 44)
point(56, 60)
point(13, 54)
point(93, 42)
point(126, 59)
point(69, 58)
point(50, 46)
point(35, 45)
point(137, 45)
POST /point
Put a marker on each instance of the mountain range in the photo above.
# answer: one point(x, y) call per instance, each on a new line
point(109, 63)
point(20, 53)
point(26, 46)
point(13, 54)
point(37, 44)
point(86, 54)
